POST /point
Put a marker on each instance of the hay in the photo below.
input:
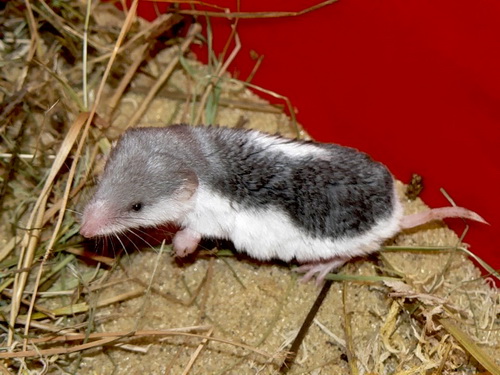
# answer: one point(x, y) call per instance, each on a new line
point(419, 307)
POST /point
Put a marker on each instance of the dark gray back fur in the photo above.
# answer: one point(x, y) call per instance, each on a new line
point(342, 195)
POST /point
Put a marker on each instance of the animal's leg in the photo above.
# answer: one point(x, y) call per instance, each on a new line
point(320, 269)
point(185, 242)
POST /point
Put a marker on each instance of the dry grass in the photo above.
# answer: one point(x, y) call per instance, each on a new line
point(74, 76)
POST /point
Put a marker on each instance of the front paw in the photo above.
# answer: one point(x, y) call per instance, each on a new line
point(185, 242)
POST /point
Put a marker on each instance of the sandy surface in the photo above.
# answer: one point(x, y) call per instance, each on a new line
point(263, 305)
point(251, 311)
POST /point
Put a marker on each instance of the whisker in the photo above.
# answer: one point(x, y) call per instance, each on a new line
point(121, 242)
point(144, 233)
point(125, 234)
point(96, 244)
point(141, 238)
point(113, 244)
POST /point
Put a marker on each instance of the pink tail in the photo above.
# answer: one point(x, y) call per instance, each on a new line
point(420, 218)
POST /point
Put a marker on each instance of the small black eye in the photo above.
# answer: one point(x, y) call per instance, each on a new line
point(137, 207)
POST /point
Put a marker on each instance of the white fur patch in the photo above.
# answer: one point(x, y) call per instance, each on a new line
point(288, 147)
point(269, 233)
point(100, 219)
point(168, 210)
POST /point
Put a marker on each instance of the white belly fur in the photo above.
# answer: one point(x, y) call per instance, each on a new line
point(269, 233)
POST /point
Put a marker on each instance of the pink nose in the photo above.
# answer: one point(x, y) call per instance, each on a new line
point(88, 229)
point(96, 219)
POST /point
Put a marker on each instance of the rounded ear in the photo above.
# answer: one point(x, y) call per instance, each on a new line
point(189, 184)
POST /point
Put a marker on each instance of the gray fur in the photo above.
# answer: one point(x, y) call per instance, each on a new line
point(341, 195)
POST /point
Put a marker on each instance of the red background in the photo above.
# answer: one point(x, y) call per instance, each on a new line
point(414, 83)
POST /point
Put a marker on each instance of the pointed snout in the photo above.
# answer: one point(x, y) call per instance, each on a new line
point(96, 218)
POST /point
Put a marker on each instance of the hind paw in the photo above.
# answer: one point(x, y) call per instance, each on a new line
point(319, 269)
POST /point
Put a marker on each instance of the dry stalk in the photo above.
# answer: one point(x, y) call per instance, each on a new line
point(195, 29)
point(350, 348)
point(95, 257)
point(149, 32)
point(66, 147)
point(218, 75)
point(223, 102)
point(33, 43)
point(232, 15)
point(61, 157)
point(35, 222)
point(471, 347)
point(160, 24)
point(60, 23)
point(197, 353)
point(109, 337)
point(131, 71)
